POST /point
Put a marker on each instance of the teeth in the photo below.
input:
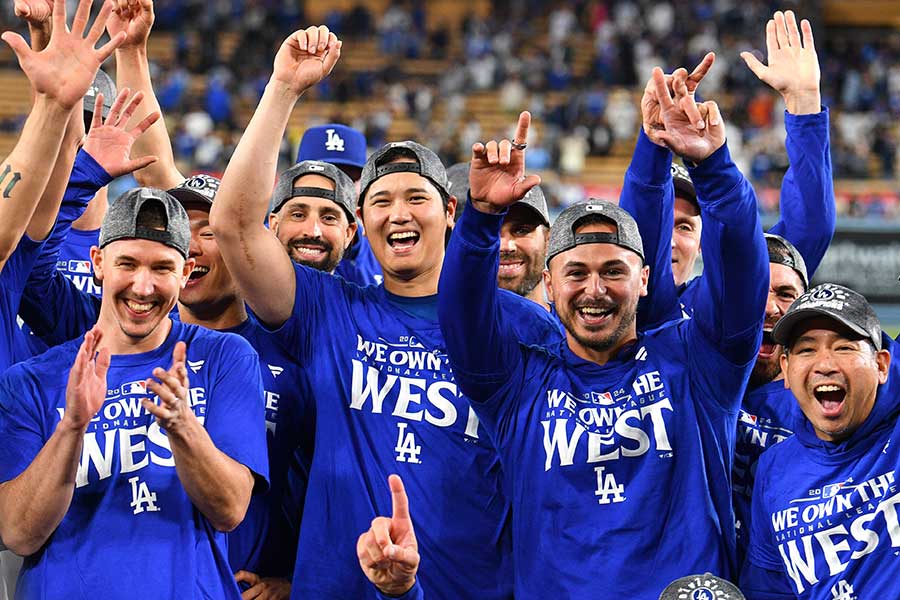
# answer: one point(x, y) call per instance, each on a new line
point(309, 251)
point(828, 388)
point(406, 235)
point(139, 307)
point(589, 310)
point(199, 269)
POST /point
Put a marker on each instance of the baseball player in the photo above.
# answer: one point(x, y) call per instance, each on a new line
point(113, 482)
point(616, 448)
point(386, 401)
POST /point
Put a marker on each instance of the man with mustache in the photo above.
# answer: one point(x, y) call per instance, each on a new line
point(616, 447)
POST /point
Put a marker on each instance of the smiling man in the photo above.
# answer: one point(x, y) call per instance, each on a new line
point(374, 359)
point(825, 503)
point(95, 468)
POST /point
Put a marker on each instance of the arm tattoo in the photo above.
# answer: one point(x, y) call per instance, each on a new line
point(16, 177)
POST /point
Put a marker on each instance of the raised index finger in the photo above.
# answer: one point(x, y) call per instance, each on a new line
point(59, 16)
point(662, 90)
point(700, 71)
point(521, 138)
point(399, 501)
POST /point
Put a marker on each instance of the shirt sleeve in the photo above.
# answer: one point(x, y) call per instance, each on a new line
point(414, 593)
point(807, 190)
point(22, 427)
point(236, 415)
point(649, 196)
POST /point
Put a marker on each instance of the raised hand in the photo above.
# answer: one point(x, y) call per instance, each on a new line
point(135, 18)
point(650, 108)
point(305, 58)
point(109, 142)
point(174, 410)
point(35, 12)
point(497, 173)
point(388, 552)
point(64, 70)
point(793, 68)
point(86, 389)
point(680, 134)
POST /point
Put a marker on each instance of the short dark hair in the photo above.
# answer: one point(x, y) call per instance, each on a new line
point(152, 215)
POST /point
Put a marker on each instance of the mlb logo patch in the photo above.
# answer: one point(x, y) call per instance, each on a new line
point(747, 418)
point(134, 388)
point(79, 266)
point(601, 398)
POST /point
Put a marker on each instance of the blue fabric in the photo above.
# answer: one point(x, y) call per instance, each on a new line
point(767, 416)
point(75, 259)
point(415, 593)
point(359, 265)
point(825, 514)
point(15, 347)
point(106, 546)
point(621, 469)
point(387, 402)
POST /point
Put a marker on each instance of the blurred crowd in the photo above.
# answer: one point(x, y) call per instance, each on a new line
point(579, 66)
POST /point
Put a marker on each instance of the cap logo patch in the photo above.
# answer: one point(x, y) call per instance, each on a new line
point(592, 207)
point(824, 297)
point(315, 167)
point(334, 142)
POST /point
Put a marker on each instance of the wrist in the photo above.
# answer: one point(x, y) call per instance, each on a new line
point(67, 426)
point(486, 207)
point(186, 430)
point(803, 103)
point(52, 107)
point(397, 589)
point(282, 91)
point(136, 51)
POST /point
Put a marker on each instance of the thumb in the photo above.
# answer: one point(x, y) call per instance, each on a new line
point(331, 58)
point(102, 363)
point(524, 186)
point(135, 165)
point(18, 45)
point(754, 65)
point(179, 354)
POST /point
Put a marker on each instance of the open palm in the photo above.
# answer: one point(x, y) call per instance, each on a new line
point(86, 388)
point(109, 143)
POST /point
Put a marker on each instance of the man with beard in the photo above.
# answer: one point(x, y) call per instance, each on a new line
point(386, 400)
point(312, 214)
point(615, 446)
point(523, 238)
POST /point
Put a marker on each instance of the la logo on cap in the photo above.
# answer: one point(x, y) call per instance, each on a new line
point(334, 142)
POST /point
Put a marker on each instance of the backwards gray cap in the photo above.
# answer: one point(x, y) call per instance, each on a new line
point(102, 84)
point(458, 177)
point(198, 189)
point(343, 194)
point(121, 217)
point(563, 236)
point(427, 165)
point(701, 587)
point(837, 302)
point(789, 257)
point(684, 185)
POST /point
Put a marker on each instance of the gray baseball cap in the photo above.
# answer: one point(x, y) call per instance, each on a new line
point(789, 256)
point(834, 301)
point(427, 165)
point(343, 194)
point(563, 236)
point(536, 202)
point(121, 218)
point(701, 587)
point(684, 185)
point(458, 184)
point(102, 84)
point(199, 189)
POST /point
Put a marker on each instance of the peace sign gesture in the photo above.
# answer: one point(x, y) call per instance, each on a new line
point(65, 69)
point(388, 552)
point(497, 173)
point(305, 58)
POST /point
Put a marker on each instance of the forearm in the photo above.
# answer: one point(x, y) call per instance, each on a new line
point(218, 486)
point(25, 172)
point(133, 72)
point(33, 504)
point(807, 191)
point(44, 216)
point(648, 195)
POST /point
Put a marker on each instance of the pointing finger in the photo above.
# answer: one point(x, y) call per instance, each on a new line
point(522, 127)
point(399, 501)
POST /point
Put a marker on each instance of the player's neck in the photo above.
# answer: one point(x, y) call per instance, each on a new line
point(537, 296)
point(226, 314)
point(93, 216)
point(118, 343)
point(422, 284)
point(601, 357)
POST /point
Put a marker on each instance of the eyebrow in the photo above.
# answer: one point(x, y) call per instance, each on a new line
point(406, 191)
point(610, 263)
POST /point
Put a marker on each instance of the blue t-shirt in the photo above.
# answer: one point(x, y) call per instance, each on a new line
point(14, 347)
point(75, 259)
point(359, 265)
point(825, 518)
point(131, 528)
point(619, 474)
point(387, 402)
point(265, 543)
point(767, 415)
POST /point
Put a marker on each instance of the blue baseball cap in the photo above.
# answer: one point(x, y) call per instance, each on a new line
point(333, 143)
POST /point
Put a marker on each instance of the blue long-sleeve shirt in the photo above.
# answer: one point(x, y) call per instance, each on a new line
point(620, 469)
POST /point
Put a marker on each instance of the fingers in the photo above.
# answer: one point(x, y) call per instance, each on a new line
point(79, 22)
point(781, 30)
point(808, 42)
point(97, 117)
point(59, 17)
point(370, 553)
point(99, 25)
point(713, 116)
point(168, 388)
point(115, 110)
point(407, 557)
point(504, 149)
point(106, 50)
point(145, 124)
point(492, 152)
point(522, 127)
point(479, 151)
point(312, 39)
point(662, 90)
point(700, 71)
point(333, 54)
point(753, 64)
point(138, 163)
point(102, 363)
point(129, 109)
point(246, 577)
point(18, 45)
point(685, 100)
point(793, 32)
point(524, 186)
point(323, 38)
point(771, 39)
point(399, 501)
point(179, 354)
